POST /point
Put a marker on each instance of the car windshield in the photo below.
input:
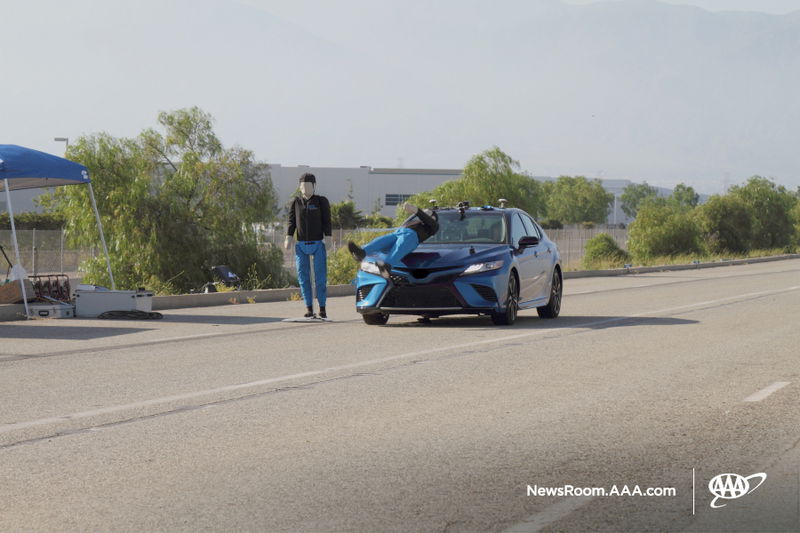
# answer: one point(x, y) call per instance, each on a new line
point(478, 228)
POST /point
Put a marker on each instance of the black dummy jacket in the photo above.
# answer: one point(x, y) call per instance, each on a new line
point(424, 224)
point(311, 218)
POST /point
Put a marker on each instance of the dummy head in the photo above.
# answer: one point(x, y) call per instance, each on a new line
point(307, 184)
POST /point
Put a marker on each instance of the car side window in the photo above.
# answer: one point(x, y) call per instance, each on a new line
point(517, 229)
point(530, 228)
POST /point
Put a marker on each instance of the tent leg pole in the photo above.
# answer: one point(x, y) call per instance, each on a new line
point(102, 236)
point(16, 246)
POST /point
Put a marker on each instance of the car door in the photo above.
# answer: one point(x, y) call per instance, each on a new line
point(527, 261)
point(543, 258)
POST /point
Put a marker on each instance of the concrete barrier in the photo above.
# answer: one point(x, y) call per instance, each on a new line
point(181, 301)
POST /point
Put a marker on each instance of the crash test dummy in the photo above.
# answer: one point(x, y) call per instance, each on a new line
point(310, 219)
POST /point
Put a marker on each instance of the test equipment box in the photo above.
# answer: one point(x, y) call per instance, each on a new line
point(51, 310)
point(91, 303)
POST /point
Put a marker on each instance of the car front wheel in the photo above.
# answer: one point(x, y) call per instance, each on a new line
point(509, 314)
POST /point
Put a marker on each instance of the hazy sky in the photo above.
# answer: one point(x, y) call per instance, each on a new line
point(764, 6)
point(408, 83)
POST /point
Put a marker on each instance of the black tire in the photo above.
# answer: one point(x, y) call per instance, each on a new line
point(509, 315)
point(376, 319)
point(553, 306)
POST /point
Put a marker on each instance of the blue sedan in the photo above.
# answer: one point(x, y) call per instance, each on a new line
point(483, 260)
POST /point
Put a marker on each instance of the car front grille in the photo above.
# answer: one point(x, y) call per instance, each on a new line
point(422, 273)
point(487, 293)
point(399, 281)
point(422, 297)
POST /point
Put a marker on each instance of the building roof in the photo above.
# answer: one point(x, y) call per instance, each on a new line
point(443, 171)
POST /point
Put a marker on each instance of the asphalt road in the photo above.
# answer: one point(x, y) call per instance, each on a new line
point(228, 419)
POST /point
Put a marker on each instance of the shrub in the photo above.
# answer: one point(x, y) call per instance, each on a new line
point(552, 223)
point(796, 221)
point(726, 224)
point(770, 206)
point(603, 251)
point(661, 231)
point(344, 215)
point(32, 220)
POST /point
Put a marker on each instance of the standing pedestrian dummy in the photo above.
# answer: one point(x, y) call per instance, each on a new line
point(310, 216)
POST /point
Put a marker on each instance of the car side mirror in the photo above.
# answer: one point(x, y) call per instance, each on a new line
point(526, 242)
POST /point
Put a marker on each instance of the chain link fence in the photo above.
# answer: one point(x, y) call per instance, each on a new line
point(572, 242)
point(44, 252)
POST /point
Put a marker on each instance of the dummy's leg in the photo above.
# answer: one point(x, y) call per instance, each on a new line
point(321, 277)
point(405, 243)
point(304, 276)
point(381, 244)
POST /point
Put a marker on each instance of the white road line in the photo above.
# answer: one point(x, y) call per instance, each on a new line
point(6, 428)
point(551, 514)
point(766, 391)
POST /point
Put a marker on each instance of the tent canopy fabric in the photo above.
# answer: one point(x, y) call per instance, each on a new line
point(29, 169)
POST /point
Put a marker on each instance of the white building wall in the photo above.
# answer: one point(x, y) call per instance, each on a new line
point(22, 201)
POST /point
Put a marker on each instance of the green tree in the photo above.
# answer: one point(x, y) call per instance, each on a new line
point(726, 223)
point(770, 206)
point(573, 200)
point(344, 215)
point(173, 204)
point(487, 177)
point(683, 198)
point(660, 230)
point(796, 220)
point(633, 195)
point(32, 220)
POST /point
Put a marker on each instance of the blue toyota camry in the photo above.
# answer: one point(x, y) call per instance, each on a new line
point(483, 260)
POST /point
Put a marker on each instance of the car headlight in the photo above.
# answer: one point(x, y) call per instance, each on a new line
point(369, 266)
point(482, 267)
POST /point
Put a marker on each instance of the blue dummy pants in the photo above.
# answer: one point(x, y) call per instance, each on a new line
point(395, 245)
point(302, 251)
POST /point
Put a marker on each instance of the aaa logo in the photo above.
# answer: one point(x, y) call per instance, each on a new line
point(732, 486)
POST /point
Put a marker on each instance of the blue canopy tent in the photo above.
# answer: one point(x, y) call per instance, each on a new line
point(23, 168)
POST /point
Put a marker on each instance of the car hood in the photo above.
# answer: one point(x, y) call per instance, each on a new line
point(452, 255)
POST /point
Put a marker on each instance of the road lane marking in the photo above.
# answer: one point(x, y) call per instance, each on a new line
point(766, 391)
point(554, 513)
point(7, 428)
